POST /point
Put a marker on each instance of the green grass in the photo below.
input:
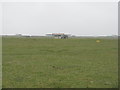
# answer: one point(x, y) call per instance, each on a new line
point(60, 63)
point(0, 62)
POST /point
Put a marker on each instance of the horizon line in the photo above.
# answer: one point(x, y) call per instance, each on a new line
point(45, 35)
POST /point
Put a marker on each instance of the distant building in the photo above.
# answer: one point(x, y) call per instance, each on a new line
point(19, 35)
point(58, 35)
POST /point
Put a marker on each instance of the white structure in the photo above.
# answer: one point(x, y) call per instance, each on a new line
point(58, 35)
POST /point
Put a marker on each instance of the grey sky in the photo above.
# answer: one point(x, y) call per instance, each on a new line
point(76, 18)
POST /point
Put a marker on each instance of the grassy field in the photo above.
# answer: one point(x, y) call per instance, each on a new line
point(60, 63)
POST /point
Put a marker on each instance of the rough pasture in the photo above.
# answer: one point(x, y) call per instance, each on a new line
point(60, 63)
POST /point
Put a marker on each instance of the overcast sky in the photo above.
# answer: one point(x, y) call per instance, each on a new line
point(71, 17)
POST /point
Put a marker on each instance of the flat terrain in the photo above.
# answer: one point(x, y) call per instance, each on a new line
point(60, 63)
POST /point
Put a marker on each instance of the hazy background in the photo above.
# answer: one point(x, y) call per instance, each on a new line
point(76, 18)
